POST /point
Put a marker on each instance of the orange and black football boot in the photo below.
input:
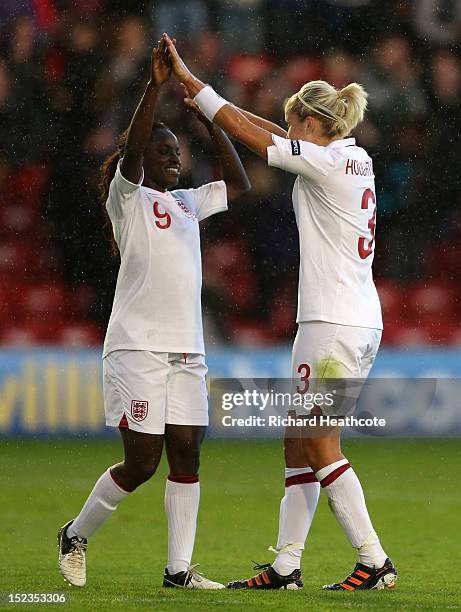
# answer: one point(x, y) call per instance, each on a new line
point(269, 579)
point(364, 577)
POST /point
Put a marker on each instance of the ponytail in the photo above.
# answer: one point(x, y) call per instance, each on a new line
point(340, 111)
point(355, 100)
point(108, 169)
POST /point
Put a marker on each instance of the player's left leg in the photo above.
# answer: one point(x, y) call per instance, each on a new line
point(187, 421)
point(347, 502)
point(355, 349)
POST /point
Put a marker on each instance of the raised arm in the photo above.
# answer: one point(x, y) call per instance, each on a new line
point(140, 129)
point(232, 170)
point(264, 123)
point(233, 121)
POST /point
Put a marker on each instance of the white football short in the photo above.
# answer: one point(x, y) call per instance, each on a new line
point(324, 351)
point(144, 390)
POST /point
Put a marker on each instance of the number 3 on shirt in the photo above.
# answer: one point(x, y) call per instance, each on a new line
point(365, 250)
point(164, 221)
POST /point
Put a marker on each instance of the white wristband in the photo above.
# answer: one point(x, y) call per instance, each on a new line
point(209, 102)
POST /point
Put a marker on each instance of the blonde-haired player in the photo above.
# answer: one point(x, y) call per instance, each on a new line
point(339, 313)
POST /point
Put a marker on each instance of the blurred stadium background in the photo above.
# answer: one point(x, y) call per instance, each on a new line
point(71, 73)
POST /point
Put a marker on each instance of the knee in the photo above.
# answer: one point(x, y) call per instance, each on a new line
point(313, 455)
point(142, 470)
point(321, 452)
point(184, 456)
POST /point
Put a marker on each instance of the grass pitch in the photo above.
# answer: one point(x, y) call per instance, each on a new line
point(412, 489)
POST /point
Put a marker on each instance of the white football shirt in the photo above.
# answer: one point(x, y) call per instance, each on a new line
point(157, 302)
point(334, 200)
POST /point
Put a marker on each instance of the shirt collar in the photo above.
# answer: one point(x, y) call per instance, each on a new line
point(344, 142)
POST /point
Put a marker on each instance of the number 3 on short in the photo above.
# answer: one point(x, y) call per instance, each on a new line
point(305, 372)
point(365, 250)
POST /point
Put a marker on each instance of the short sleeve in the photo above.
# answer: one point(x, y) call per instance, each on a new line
point(209, 199)
point(309, 160)
point(121, 191)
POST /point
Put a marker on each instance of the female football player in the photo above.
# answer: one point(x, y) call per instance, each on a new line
point(153, 361)
point(339, 313)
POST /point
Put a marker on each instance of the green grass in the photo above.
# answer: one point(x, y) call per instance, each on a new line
point(412, 489)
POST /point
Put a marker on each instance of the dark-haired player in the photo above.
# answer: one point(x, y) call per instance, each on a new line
point(153, 361)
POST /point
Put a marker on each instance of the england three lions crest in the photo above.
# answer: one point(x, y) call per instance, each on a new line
point(139, 410)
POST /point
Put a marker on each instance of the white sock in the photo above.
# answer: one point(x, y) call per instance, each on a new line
point(297, 510)
point(181, 506)
point(103, 500)
point(347, 502)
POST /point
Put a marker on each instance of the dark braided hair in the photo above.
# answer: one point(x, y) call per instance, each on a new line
point(108, 168)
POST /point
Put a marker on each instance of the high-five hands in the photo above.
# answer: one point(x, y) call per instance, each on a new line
point(161, 67)
point(181, 71)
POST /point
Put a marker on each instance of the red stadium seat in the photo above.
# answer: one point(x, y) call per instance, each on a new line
point(44, 300)
point(393, 302)
point(283, 313)
point(81, 334)
point(439, 331)
point(411, 337)
point(431, 300)
point(223, 262)
point(455, 336)
point(243, 291)
point(246, 69)
point(250, 333)
point(19, 335)
point(16, 218)
point(47, 264)
point(29, 183)
point(428, 332)
point(392, 330)
point(10, 293)
point(283, 322)
point(16, 259)
point(82, 297)
point(28, 260)
point(300, 70)
point(226, 256)
point(33, 332)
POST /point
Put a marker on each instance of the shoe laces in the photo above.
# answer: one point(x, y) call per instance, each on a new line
point(193, 573)
point(76, 554)
point(261, 566)
point(78, 545)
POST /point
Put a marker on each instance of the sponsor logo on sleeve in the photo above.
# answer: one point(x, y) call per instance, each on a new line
point(295, 147)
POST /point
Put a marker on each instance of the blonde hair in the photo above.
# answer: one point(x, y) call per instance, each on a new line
point(340, 111)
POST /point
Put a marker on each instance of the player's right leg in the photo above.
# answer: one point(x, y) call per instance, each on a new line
point(297, 509)
point(128, 376)
point(302, 490)
point(142, 455)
